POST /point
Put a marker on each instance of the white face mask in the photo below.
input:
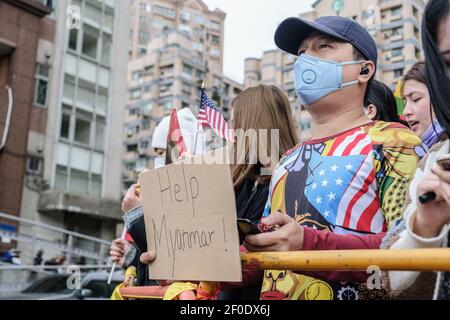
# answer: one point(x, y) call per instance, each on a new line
point(160, 162)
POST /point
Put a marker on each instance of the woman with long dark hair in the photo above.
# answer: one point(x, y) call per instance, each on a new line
point(427, 218)
point(419, 111)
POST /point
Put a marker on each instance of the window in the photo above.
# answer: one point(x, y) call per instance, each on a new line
point(215, 25)
point(50, 4)
point(73, 39)
point(417, 54)
point(145, 124)
point(397, 52)
point(186, 89)
point(165, 90)
point(143, 21)
point(163, 11)
point(106, 49)
point(142, 162)
point(148, 71)
point(102, 99)
point(187, 71)
point(79, 181)
point(93, 11)
point(82, 127)
point(145, 7)
point(398, 73)
point(61, 177)
point(396, 11)
point(108, 18)
point(142, 51)
point(90, 41)
point(148, 107)
point(136, 75)
point(86, 94)
point(167, 106)
point(131, 166)
point(41, 89)
point(65, 126)
point(198, 33)
point(34, 165)
point(144, 37)
point(69, 87)
point(215, 40)
point(214, 52)
point(200, 19)
point(185, 16)
point(132, 147)
point(197, 46)
point(99, 132)
point(148, 88)
point(96, 186)
point(184, 29)
point(166, 71)
point(133, 111)
point(135, 94)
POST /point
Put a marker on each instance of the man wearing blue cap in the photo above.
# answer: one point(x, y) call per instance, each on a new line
point(346, 186)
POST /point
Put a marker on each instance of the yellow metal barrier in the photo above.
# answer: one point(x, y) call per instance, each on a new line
point(348, 260)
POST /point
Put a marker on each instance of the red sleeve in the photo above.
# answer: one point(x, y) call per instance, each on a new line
point(325, 240)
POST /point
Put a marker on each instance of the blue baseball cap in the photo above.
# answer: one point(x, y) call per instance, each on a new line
point(293, 31)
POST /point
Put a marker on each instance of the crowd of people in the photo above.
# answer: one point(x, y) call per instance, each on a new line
point(357, 183)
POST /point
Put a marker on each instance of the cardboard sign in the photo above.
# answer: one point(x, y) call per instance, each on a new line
point(190, 221)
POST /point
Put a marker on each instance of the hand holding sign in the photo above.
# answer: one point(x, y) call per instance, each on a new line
point(190, 218)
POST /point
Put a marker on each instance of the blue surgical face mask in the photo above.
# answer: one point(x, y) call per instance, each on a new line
point(160, 162)
point(316, 78)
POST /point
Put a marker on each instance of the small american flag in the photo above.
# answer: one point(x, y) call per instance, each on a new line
point(210, 116)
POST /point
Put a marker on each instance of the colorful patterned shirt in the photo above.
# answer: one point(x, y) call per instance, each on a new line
point(352, 183)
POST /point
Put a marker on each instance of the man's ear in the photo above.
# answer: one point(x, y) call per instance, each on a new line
point(367, 71)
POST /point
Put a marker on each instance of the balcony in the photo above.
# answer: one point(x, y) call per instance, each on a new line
point(63, 201)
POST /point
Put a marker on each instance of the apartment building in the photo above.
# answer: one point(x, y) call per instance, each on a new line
point(174, 47)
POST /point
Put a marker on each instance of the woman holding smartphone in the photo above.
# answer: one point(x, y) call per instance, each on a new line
point(427, 215)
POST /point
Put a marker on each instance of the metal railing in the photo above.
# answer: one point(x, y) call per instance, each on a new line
point(32, 236)
point(68, 248)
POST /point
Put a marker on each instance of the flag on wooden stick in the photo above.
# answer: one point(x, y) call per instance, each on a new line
point(209, 116)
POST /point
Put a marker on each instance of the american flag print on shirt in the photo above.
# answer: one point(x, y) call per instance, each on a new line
point(341, 181)
point(352, 183)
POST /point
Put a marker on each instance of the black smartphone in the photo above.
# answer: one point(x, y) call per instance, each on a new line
point(444, 162)
point(245, 227)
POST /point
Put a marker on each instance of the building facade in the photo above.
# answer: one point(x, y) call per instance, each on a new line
point(24, 25)
point(174, 47)
point(72, 148)
point(277, 68)
point(395, 25)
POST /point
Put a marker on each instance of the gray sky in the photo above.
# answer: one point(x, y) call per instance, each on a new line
point(250, 26)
